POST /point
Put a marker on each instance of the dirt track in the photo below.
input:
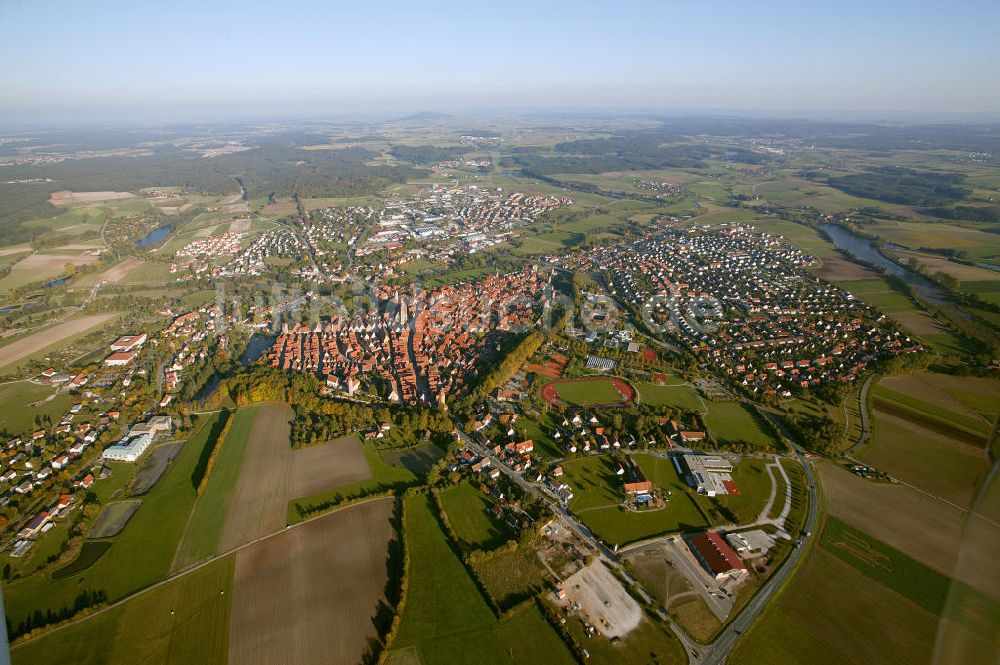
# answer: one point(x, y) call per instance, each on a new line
point(23, 348)
point(308, 595)
point(332, 464)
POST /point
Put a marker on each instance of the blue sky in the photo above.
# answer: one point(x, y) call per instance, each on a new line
point(66, 59)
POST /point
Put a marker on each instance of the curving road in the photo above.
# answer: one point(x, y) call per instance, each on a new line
point(717, 651)
point(863, 410)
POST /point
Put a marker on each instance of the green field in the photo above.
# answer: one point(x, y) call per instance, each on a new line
point(201, 537)
point(510, 577)
point(446, 620)
point(183, 621)
point(649, 642)
point(140, 555)
point(891, 300)
point(384, 477)
point(754, 485)
point(545, 446)
point(588, 393)
point(549, 243)
point(886, 565)
point(456, 276)
point(732, 422)
point(680, 397)
point(949, 417)
point(468, 513)
point(89, 553)
point(151, 271)
point(18, 415)
point(832, 614)
point(804, 237)
point(598, 494)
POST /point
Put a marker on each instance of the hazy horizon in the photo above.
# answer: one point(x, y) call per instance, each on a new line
point(112, 61)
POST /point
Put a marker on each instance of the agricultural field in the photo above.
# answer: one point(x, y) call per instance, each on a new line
point(258, 503)
point(204, 528)
point(976, 244)
point(389, 470)
point(331, 464)
point(150, 272)
point(931, 531)
point(937, 463)
point(112, 275)
point(446, 620)
point(291, 590)
point(140, 555)
point(183, 621)
point(897, 305)
point(834, 614)
point(468, 512)
point(885, 601)
point(39, 267)
point(926, 437)
point(49, 339)
point(731, 422)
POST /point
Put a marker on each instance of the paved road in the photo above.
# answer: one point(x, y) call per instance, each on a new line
point(863, 410)
point(717, 652)
point(585, 534)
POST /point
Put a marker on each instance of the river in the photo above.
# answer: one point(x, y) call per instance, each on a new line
point(861, 248)
point(258, 344)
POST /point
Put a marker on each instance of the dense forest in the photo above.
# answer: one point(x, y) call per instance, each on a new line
point(895, 184)
point(428, 154)
point(634, 151)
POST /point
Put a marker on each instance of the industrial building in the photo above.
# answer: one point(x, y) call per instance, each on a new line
point(710, 475)
point(716, 555)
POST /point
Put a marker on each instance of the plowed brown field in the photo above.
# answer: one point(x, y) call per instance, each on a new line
point(308, 595)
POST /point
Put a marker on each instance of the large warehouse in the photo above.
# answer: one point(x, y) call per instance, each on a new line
point(716, 555)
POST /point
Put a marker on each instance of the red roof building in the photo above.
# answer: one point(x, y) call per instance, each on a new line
point(715, 554)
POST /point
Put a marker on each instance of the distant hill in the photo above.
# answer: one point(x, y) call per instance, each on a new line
point(422, 116)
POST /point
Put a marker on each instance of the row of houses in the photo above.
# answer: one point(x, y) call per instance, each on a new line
point(426, 346)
